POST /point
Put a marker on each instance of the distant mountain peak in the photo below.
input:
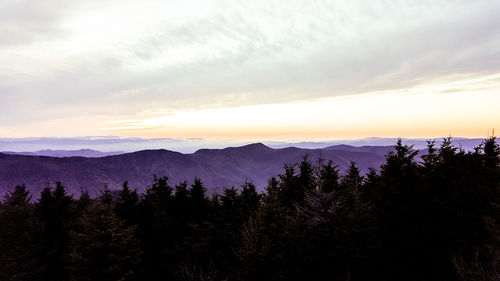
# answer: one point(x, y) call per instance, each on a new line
point(253, 147)
point(256, 145)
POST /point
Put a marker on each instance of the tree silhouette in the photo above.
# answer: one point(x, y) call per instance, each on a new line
point(102, 247)
point(18, 237)
point(419, 217)
point(53, 211)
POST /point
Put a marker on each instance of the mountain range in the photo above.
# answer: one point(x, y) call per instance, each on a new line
point(190, 145)
point(66, 153)
point(218, 168)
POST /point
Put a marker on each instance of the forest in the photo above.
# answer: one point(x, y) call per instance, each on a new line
point(434, 217)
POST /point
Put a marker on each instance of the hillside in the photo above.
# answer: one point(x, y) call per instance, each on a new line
point(217, 168)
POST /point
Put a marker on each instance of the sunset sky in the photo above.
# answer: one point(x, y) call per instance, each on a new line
point(254, 70)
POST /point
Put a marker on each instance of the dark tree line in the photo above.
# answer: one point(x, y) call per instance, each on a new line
point(432, 219)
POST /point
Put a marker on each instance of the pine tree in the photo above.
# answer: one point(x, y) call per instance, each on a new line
point(398, 210)
point(18, 237)
point(352, 179)
point(491, 153)
point(198, 201)
point(431, 158)
point(154, 229)
point(249, 199)
point(159, 192)
point(53, 211)
point(291, 192)
point(180, 205)
point(305, 177)
point(103, 247)
point(126, 204)
point(266, 250)
point(328, 177)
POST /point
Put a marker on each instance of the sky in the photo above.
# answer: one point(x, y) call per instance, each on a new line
point(249, 70)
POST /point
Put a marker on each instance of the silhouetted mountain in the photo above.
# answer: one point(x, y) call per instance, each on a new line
point(67, 153)
point(190, 145)
point(464, 143)
point(217, 168)
point(382, 150)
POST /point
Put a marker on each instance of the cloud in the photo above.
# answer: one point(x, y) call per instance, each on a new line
point(24, 21)
point(124, 58)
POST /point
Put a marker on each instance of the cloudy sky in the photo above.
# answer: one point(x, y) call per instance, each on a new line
point(249, 69)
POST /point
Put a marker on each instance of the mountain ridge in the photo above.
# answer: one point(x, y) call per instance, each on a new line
point(218, 168)
point(84, 152)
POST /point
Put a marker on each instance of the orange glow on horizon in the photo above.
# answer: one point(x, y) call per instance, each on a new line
point(426, 112)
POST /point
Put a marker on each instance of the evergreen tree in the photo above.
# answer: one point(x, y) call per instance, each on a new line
point(352, 180)
point(228, 230)
point(154, 229)
point(306, 176)
point(328, 177)
point(84, 200)
point(180, 205)
point(398, 209)
point(126, 204)
point(491, 153)
point(435, 219)
point(106, 196)
point(249, 199)
point(431, 158)
point(53, 211)
point(18, 237)
point(103, 247)
point(266, 250)
point(159, 192)
point(292, 192)
point(198, 201)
